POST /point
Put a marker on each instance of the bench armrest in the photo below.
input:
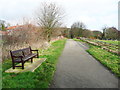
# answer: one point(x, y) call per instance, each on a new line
point(36, 51)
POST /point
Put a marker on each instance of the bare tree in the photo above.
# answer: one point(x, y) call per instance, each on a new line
point(49, 16)
point(77, 29)
point(80, 25)
point(111, 33)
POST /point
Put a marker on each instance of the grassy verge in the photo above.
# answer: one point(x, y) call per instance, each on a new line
point(110, 60)
point(78, 40)
point(110, 41)
point(41, 77)
point(106, 58)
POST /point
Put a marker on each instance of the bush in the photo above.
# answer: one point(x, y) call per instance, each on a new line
point(21, 37)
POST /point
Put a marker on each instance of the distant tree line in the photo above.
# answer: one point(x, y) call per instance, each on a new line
point(78, 29)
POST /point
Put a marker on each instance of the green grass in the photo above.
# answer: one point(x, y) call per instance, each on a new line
point(106, 58)
point(110, 41)
point(78, 40)
point(41, 77)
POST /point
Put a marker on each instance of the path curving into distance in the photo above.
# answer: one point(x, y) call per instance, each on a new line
point(77, 69)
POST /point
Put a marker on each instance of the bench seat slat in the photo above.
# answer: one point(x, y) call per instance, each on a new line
point(29, 56)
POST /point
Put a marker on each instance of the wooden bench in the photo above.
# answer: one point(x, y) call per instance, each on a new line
point(22, 55)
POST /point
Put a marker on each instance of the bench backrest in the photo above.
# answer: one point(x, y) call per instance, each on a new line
point(17, 53)
point(26, 51)
point(21, 52)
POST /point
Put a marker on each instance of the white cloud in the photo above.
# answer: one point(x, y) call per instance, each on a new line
point(94, 13)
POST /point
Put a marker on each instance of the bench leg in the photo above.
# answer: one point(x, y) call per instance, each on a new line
point(13, 65)
point(31, 60)
point(22, 65)
point(37, 56)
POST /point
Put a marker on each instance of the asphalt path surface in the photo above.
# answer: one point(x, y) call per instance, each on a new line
point(78, 69)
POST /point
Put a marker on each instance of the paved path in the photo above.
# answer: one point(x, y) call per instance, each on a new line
point(77, 69)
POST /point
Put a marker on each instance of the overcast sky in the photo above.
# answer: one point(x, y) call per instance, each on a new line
point(94, 13)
